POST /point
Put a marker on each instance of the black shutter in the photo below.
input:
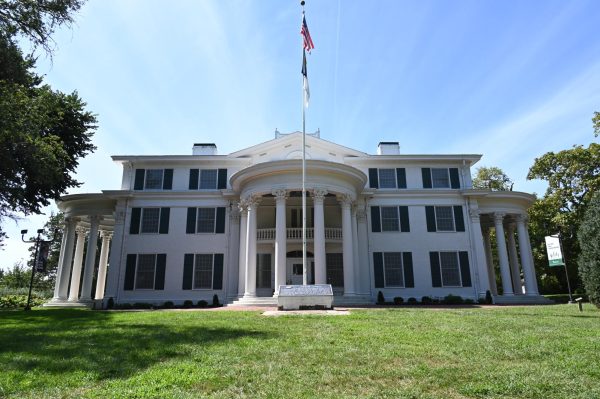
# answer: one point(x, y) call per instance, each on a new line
point(401, 177)
point(194, 173)
point(465, 272)
point(430, 215)
point(136, 214)
point(409, 279)
point(459, 220)
point(222, 179)
point(378, 269)
point(168, 179)
point(436, 277)
point(426, 172)
point(164, 220)
point(404, 220)
point(218, 272)
point(130, 272)
point(373, 178)
point(454, 180)
point(140, 174)
point(188, 271)
point(190, 227)
point(220, 228)
point(375, 219)
point(159, 277)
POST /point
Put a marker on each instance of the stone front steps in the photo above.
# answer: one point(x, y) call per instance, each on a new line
point(521, 300)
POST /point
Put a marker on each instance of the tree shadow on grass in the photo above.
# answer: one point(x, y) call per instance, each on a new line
point(68, 341)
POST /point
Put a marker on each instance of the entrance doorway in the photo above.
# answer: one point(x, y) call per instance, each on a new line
point(294, 271)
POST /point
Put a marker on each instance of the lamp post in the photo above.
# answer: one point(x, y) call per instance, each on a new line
point(38, 258)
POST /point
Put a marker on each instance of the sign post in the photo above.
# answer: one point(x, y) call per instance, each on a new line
point(556, 257)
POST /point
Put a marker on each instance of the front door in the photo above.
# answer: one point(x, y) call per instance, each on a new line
point(294, 271)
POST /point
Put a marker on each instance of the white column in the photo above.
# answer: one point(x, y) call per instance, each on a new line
point(280, 238)
point(90, 260)
point(526, 257)
point(101, 280)
point(489, 260)
point(233, 255)
point(348, 255)
point(65, 260)
point(364, 285)
point(76, 274)
point(242, 260)
point(251, 248)
point(355, 263)
point(513, 259)
point(319, 237)
point(481, 266)
point(116, 256)
point(502, 255)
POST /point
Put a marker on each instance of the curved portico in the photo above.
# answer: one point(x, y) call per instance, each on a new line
point(87, 217)
point(278, 184)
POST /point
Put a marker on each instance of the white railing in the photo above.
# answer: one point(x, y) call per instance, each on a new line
point(295, 233)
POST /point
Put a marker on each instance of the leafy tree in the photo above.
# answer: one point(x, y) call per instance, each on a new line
point(492, 178)
point(589, 241)
point(43, 133)
point(596, 122)
point(17, 277)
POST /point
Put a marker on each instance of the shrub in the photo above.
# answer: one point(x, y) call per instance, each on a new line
point(468, 301)
point(188, 304)
point(110, 304)
point(124, 306)
point(589, 258)
point(452, 300)
point(216, 301)
point(202, 303)
point(426, 300)
point(436, 300)
point(488, 297)
point(380, 298)
point(412, 301)
point(142, 305)
point(168, 305)
point(19, 301)
point(398, 300)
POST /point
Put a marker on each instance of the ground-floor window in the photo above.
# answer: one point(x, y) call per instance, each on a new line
point(202, 271)
point(145, 272)
point(450, 269)
point(393, 269)
point(335, 269)
point(263, 266)
point(392, 266)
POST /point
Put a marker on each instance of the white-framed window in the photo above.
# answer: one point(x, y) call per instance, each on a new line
point(387, 178)
point(450, 269)
point(154, 179)
point(145, 272)
point(208, 179)
point(150, 220)
point(444, 218)
point(390, 219)
point(440, 178)
point(393, 272)
point(205, 222)
point(203, 271)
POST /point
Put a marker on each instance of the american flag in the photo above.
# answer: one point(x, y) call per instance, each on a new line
point(308, 43)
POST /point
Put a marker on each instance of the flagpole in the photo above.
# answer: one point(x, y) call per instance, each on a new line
point(304, 265)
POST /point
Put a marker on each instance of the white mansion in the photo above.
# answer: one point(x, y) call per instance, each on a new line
point(187, 227)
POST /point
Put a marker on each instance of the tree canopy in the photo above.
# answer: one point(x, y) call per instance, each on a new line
point(589, 241)
point(596, 122)
point(491, 178)
point(43, 132)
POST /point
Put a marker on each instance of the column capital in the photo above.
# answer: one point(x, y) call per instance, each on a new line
point(280, 194)
point(361, 215)
point(522, 218)
point(106, 234)
point(475, 215)
point(319, 194)
point(81, 231)
point(251, 201)
point(70, 220)
point(510, 227)
point(499, 217)
point(234, 211)
point(346, 200)
point(95, 218)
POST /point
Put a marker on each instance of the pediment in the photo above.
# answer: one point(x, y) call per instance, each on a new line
point(290, 147)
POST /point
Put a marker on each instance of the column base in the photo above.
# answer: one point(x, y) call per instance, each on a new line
point(66, 304)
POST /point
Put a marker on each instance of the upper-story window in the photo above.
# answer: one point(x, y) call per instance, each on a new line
point(389, 218)
point(440, 178)
point(208, 179)
point(445, 218)
point(149, 220)
point(387, 177)
point(205, 220)
point(153, 179)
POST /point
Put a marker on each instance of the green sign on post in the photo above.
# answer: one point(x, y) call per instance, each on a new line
point(555, 257)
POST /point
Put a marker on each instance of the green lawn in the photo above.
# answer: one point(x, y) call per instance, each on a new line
point(518, 352)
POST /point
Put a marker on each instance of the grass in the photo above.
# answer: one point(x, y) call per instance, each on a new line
point(524, 352)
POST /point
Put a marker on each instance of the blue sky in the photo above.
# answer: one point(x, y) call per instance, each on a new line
point(507, 79)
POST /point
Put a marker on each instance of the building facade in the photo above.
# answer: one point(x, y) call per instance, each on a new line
point(188, 227)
